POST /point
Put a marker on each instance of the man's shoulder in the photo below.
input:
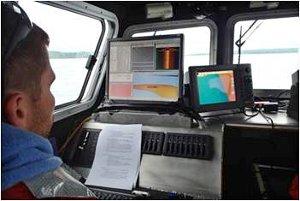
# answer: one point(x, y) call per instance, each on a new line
point(58, 183)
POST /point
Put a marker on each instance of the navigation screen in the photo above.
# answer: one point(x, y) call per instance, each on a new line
point(216, 87)
point(145, 70)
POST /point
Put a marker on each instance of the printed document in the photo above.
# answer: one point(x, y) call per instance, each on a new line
point(117, 157)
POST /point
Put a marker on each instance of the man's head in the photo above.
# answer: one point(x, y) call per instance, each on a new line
point(27, 77)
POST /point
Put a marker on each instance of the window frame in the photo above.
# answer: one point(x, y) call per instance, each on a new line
point(229, 38)
point(95, 76)
point(161, 26)
point(89, 71)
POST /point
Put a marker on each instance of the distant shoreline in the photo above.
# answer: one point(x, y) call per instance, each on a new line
point(270, 51)
point(68, 55)
point(72, 55)
point(260, 51)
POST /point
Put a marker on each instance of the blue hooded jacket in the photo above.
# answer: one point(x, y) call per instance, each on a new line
point(24, 155)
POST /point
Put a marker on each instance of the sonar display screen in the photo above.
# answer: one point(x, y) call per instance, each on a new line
point(146, 70)
point(216, 87)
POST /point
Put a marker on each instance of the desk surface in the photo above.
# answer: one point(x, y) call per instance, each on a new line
point(191, 175)
point(280, 120)
point(178, 174)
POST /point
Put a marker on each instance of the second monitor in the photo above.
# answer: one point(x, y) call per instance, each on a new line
point(220, 87)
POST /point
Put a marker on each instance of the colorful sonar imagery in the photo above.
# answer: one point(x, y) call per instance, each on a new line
point(155, 87)
point(216, 87)
point(167, 58)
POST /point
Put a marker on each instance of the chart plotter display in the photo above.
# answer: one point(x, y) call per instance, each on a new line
point(145, 69)
point(220, 87)
point(216, 87)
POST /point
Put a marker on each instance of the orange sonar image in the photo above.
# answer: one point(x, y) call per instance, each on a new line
point(165, 91)
point(168, 58)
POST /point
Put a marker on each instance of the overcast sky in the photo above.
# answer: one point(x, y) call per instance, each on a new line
point(79, 33)
point(272, 33)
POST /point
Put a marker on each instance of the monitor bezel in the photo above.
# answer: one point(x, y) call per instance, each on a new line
point(148, 102)
point(193, 70)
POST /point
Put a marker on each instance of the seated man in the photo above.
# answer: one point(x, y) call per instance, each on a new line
point(29, 168)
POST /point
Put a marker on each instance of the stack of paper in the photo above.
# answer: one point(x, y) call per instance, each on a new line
point(117, 158)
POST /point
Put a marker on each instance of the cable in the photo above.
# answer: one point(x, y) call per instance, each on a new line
point(281, 93)
point(247, 115)
point(259, 111)
point(281, 102)
point(72, 135)
point(274, 98)
point(267, 118)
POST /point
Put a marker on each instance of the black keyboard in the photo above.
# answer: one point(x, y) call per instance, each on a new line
point(196, 146)
point(86, 148)
point(188, 146)
point(177, 144)
point(152, 142)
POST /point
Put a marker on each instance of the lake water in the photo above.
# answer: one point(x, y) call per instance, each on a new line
point(70, 75)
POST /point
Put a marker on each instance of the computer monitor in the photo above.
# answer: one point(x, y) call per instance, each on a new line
point(145, 70)
point(220, 87)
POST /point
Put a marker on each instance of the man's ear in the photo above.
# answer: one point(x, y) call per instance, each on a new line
point(16, 109)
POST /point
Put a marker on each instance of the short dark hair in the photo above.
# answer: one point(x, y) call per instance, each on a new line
point(27, 62)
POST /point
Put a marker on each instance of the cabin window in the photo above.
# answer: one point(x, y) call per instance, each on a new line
point(197, 44)
point(200, 39)
point(194, 53)
point(271, 46)
point(70, 46)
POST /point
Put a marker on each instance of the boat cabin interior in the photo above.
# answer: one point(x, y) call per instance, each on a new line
point(193, 99)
